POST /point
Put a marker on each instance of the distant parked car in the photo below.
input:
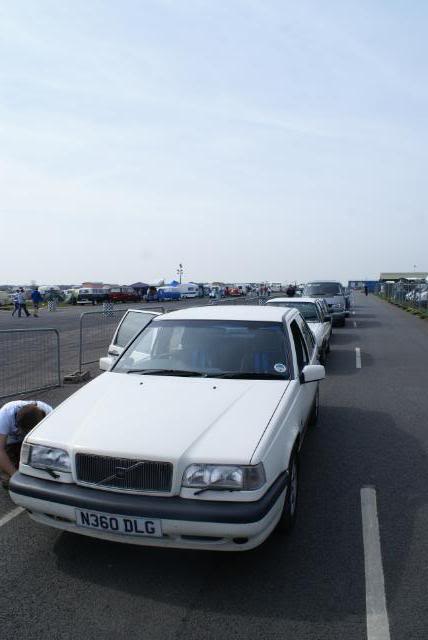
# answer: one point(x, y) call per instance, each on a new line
point(216, 292)
point(332, 292)
point(123, 294)
point(319, 323)
point(87, 295)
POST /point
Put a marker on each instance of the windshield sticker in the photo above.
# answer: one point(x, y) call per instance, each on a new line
point(279, 367)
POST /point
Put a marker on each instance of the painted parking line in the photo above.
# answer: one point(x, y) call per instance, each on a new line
point(358, 357)
point(376, 613)
point(11, 515)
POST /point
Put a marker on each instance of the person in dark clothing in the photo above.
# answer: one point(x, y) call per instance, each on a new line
point(291, 290)
point(15, 302)
point(37, 299)
point(22, 303)
point(366, 290)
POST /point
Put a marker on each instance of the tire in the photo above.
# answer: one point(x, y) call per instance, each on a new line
point(289, 510)
point(315, 410)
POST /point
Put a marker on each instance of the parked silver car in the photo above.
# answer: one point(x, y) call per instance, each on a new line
point(333, 293)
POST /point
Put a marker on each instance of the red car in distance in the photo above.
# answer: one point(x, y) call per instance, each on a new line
point(123, 294)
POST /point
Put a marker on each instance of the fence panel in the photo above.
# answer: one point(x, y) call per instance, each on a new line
point(29, 361)
point(408, 294)
point(96, 332)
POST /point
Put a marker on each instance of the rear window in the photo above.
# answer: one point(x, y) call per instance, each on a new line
point(323, 289)
point(308, 309)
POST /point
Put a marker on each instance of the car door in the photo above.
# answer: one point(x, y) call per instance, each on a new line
point(326, 325)
point(302, 358)
point(131, 324)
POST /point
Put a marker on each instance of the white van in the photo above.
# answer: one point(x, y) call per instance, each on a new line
point(189, 290)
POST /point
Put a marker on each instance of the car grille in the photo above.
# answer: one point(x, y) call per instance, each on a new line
point(122, 473)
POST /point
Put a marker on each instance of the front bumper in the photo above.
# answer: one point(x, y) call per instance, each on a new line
point(186, 523)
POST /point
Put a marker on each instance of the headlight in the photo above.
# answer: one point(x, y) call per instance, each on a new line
point(41, 457)
point(213, 476)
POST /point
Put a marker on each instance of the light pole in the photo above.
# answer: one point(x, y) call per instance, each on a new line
point(180, 271)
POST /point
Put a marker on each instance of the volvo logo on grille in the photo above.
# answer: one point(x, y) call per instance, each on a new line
point(121, 472)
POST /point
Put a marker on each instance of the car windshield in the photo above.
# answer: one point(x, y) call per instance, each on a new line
point(322, 289)
point(307, 309)
point(211, 348)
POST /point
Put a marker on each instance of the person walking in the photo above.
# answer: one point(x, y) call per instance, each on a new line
point(22, 303)
point(15, 302)
point(36, 297)
point(366, 290)
point(17, 418)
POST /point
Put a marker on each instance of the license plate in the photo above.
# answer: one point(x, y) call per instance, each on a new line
point(125, 525)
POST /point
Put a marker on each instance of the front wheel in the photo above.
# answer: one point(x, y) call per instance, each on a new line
point(289, 511)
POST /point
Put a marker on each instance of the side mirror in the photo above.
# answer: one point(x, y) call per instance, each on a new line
point(312, 373)
point(327, 318)
point(106, 363)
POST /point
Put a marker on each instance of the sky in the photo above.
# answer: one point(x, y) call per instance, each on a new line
point(250, 140)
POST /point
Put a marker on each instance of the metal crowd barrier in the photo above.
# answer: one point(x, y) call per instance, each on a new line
point(96, 329)
point(408, 294)
point(240, 300)
point(29, 361)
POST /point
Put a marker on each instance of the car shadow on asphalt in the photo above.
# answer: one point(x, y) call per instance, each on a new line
point(363, 315)
point(342, 362)
point(368, 324)
point(343, 338)
point(314, 575)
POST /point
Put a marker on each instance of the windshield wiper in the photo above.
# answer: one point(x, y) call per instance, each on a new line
point(247, 375)
point(169, 372)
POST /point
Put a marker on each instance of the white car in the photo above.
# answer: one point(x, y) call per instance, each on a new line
point(318, 321)
point(192, 440)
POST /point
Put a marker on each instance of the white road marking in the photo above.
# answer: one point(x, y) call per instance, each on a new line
point(11, 515)
point(358, 357)
point(377, 615)
point(355, 325)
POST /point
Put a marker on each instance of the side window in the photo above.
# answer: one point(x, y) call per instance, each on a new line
point(131, 325)
point(309, 337)
point(300, 346)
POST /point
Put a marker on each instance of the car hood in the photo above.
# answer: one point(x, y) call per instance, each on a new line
point(164, 418)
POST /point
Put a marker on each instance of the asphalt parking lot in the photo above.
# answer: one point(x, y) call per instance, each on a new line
point(312, 585)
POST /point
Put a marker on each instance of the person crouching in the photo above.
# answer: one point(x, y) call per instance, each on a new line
point(17, 418)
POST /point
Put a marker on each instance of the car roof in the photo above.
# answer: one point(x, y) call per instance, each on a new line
point(255, 313)
point(323, 281)
point(295, 300)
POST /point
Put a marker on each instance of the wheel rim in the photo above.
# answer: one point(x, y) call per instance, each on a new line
point(293, 488)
